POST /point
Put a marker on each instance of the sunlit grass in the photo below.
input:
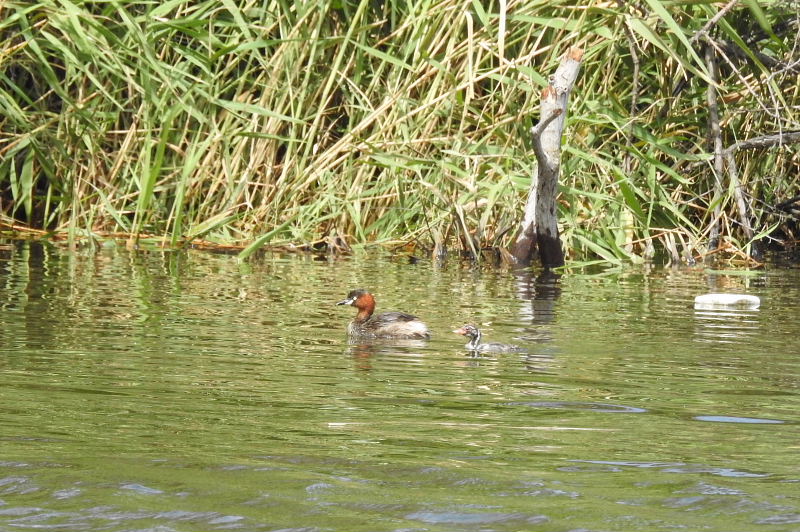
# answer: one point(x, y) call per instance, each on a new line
point(306, 122)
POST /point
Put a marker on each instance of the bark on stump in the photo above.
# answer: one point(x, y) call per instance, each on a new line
point(539, 228)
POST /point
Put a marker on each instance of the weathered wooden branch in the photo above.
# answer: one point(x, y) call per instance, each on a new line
point(713, 21)
point(539, 227)
point(716, 135)
point(536, 132)
point(741, 203)
point(764, 141)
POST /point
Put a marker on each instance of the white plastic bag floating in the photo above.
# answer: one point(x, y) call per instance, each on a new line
point(709, 301)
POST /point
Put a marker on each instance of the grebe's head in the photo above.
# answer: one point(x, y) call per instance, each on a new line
point(359, 299)
point(470, 331)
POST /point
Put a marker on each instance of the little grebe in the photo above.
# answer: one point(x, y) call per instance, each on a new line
point(474, 344)
point(386, 325)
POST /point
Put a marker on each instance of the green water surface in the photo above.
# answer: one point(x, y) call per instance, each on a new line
point(183, 391)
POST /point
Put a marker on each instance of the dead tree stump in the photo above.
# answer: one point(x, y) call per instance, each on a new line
point(539, 228)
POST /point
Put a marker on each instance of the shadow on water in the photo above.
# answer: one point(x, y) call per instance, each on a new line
point(363, 350)
point(541, 291)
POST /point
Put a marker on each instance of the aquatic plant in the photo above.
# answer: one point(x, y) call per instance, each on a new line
point(341, 123)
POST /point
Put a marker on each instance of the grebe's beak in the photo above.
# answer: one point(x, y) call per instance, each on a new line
point(348, 301)
point(462, 331)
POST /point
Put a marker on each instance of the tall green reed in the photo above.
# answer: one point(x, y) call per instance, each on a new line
point(274, 122)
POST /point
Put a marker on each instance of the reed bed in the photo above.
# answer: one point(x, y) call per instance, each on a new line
point(347, 123)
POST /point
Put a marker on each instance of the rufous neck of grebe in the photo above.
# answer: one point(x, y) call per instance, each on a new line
point(365, 305)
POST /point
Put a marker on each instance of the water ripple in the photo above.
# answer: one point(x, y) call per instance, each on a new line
point(575, 405)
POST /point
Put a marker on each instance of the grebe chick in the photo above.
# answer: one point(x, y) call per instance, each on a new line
point(385, 325)
point(474, 344)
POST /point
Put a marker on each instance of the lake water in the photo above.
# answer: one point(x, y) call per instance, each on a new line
point(182, 391)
